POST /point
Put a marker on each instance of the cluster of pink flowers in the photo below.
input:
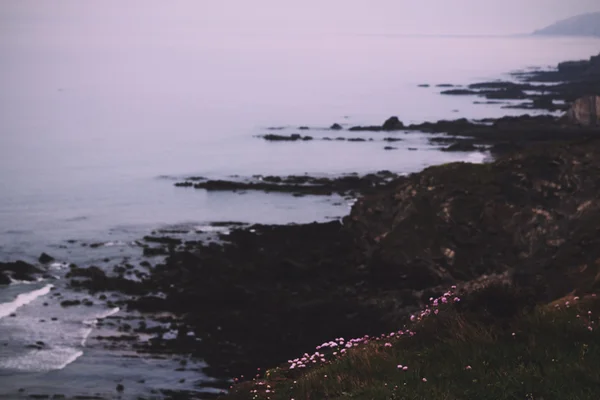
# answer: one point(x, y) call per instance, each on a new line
point(587, 318)
point(262, 387)
point(339, 346)
point(446, 298)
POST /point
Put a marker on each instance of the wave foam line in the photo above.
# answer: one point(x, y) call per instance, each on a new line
point(23, 299)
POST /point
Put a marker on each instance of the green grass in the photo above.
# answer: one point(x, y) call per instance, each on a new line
point(463, 353)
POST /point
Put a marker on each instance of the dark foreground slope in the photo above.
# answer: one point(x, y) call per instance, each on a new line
point(513, 236)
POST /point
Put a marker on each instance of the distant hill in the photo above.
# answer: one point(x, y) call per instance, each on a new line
point(580, 25)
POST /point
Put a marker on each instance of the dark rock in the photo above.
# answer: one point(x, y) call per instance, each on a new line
point(163, 240)
point(389, 148)
point(289, 138)
point(336, 127)
point(45, 258)
point(392, 124)
point(18, 270)
point(392, 139)
point(297, 185)
point(444, 85)
point(120, 388)
point(424, 85)
point(459, 92)
point(184, 184)
point(70, 303)
point(304, 128)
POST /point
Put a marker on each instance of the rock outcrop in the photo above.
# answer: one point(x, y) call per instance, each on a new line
point(535, 213)
point(585, 111)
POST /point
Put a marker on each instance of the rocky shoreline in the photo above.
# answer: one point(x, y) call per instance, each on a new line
point(255, 296)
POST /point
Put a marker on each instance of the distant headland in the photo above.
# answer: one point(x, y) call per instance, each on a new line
point(580, 25)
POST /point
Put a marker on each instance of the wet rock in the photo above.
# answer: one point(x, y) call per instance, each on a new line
point(120, 388)
point(392, 139)
point(299, 185)
point(585, 111)
point(424, 85)
point(184, 184)
point(459, 92)
point(336, 127)
point(392, 124)
point(390, 148)
point(18, 270)
point(45, 258)
point(289, 138)
point(70, 303)
point(163, 240)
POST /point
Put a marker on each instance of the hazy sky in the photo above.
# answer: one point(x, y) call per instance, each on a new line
point(257, 16)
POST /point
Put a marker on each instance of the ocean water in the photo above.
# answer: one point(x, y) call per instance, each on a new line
point(87, 130)
point(93, 135)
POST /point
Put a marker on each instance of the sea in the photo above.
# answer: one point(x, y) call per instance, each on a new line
point(93, 135)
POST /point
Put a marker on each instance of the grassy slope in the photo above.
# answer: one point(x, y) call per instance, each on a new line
point(471, 349)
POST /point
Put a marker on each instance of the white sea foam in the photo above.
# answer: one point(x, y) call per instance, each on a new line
point(477, 157)
point(43, 360)
point(59, 265)
point(209, 229)
point(92, 322)
point(116, 243)
point(18, 282)
point(86, 334)
point(23, 299)
point(71, 359)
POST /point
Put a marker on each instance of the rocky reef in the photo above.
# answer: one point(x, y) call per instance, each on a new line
point(551, 90)
point(18, 270)
point(298, 185)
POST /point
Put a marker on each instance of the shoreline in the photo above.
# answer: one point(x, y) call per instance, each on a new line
point(270, 286)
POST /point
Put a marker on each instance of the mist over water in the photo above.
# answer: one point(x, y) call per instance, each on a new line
point(87, 129)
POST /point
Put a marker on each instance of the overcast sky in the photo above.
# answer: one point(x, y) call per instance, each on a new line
point(258, 16)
